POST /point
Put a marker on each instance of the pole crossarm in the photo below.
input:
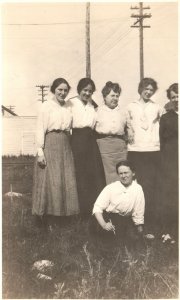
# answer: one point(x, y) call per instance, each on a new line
point(141, 16)
point(144, 26)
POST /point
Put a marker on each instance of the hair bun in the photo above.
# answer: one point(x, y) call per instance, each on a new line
point(109, 83)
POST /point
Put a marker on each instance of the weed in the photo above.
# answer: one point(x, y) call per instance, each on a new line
point(81, 269)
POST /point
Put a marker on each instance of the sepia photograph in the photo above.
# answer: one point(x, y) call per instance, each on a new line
point(90, 176)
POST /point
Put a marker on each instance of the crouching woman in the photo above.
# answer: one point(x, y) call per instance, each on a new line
point(119, 209)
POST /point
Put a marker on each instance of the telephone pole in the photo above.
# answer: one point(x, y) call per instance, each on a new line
point(140, 18)
point(88, 55)
point(42, 90)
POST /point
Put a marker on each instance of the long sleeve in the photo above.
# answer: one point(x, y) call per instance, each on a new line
point(129, 129)
point(161, 133)
point(102, 201)
point(42, 125)
point(139, 207)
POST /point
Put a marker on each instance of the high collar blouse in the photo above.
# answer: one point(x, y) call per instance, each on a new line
point(143, 122)
point(110, 121)
point(83, 115)
point(52, 116)
point(125, 201)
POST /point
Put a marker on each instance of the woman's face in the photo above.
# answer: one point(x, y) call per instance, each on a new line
point(125, 175)
point(174, 99)
point(61, 92)
point(147, 92)
point(111, 100)
point(173, 96)
point(86, 93)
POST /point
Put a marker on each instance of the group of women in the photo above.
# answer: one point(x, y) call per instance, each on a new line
point(80, 144)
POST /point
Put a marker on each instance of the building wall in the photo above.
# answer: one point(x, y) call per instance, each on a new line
point(18, 135)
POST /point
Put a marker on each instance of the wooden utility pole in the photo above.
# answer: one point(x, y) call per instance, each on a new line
point(140, 18)
point(42, 90)
point(88, 54)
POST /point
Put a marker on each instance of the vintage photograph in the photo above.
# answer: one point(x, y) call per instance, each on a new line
point(90, 150)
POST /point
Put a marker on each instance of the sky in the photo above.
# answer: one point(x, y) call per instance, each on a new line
point(42, 41)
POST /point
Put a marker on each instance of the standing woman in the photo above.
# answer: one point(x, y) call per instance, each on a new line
point(88, 164)
point(54, 189)
point(169, 164)
point(110, 126)
point(143, 117)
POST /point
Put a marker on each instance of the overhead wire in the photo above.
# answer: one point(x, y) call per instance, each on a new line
point(108, 39)
point(63, 23)
point(108, 42)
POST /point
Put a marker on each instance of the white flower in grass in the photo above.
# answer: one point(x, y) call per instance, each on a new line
point(13, 194)
point(43, 265)
point(167, 238)
point(43, 277)
point(149, 236)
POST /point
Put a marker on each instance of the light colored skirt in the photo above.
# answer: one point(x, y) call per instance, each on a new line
point(54, 187)
point(113, 150)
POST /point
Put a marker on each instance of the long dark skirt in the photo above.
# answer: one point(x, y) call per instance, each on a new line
point(89, 168)
point(169, 206)
point(125, 231)
point(147, 169)
point(54, 188)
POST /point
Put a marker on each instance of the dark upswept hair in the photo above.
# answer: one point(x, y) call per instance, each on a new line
point(173, 87)
point(57, 82)
point(145, 82)
point(111, 86)
point(125, 163)
point(83, 82)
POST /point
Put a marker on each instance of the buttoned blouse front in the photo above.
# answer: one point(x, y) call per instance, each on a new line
point(125, 201)
point(83, 115)
point(110, 121)
point(144, 121)
point(52, 116)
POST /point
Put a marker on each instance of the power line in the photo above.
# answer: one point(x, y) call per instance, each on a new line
point(62, 23)
point(109, 40)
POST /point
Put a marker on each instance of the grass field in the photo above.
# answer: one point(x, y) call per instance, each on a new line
point(83, 268)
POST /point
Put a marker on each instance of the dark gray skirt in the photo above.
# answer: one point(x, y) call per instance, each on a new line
point(89, 168)
point(54, 186)
point(113, 150)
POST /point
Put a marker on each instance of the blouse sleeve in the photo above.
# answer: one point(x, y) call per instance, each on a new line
point(163, 132)
point(42, 126)
point(128, 123)
point(102, 201)
point(139, 207)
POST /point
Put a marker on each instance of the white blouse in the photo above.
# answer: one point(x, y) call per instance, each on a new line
point(110, 121)
point(52, 116)
point(83, 115)
point(126, 201)
point(143, 122)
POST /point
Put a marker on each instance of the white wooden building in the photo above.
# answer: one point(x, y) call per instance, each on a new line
point(18, 135)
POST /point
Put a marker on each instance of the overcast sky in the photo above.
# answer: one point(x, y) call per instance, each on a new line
point(43, 41)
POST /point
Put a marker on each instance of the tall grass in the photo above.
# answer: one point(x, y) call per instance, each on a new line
point(84, 267)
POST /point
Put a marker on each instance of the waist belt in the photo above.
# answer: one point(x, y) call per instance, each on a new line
point(58, 131)
point(102, 135)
